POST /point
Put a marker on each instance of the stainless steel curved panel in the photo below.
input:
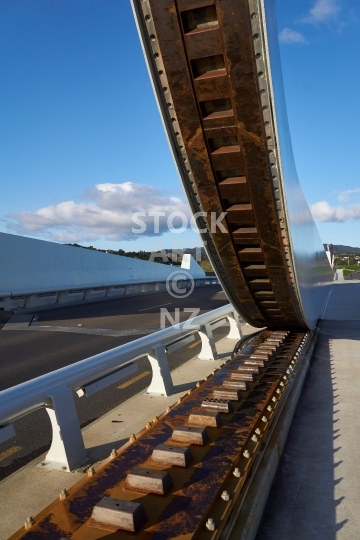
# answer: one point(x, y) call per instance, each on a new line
point(312, 270)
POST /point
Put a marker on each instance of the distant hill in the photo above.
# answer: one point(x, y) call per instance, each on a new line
point(346, 249)
point(145, 255)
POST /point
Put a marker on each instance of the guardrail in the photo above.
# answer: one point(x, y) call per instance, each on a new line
point(355, 274)
point(54, 391)
point(45, 298)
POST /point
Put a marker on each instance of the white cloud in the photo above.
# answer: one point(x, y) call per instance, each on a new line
point(322, 212)
point(348, 194)
point(104, 211)
point(289, 36)
point(322, 11)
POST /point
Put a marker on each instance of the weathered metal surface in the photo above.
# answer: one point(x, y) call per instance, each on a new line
point(197, 484)
point(190, 435)
point(220, 405)
point(148, 481)
point(212, 79)
point(113, 514)
point(172, 455)
point(227, 393)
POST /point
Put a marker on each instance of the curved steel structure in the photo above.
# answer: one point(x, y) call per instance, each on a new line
point(215, 68)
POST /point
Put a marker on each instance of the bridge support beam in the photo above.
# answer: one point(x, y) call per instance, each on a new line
point(235, 328)
point(67, 451)
point(161, 384)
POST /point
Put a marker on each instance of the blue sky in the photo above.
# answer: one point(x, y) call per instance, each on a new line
point(82, 145)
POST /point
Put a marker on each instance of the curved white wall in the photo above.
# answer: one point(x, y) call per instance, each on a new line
point(34, 265)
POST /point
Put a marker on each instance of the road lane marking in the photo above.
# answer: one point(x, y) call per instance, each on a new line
point(153, 307)
point(194, 344)
point(134, 379)
point(9, 452)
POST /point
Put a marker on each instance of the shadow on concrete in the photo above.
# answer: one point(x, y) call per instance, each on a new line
point(302, 503)
point(103, 451)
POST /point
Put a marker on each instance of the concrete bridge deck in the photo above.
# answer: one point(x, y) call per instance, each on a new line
point(316, 492)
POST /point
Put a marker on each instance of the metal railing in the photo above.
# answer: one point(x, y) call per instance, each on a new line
point(57, 297)
point(54, 391)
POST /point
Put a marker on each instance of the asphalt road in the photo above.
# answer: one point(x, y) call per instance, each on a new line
point(28, 353)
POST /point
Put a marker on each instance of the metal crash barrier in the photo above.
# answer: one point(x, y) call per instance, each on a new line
point(54, 390)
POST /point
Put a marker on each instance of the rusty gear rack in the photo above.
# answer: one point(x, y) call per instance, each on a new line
point(189, 469)
point(208, 66)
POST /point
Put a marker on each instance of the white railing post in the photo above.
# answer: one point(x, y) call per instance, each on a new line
point(67, 451)
point(161, 383)
point(235, 328)
point(208, 349)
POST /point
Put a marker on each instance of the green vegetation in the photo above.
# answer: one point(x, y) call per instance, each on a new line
point(349, 267)
point(207, 266)
point(164, 257)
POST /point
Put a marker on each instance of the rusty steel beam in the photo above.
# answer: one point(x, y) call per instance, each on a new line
point(210, 70)
point(185, 472)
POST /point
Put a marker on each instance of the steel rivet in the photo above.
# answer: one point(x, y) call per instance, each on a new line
point(63, 494)
point(278, 391)
point(265, 108)
point(147, 18)
point(133, 437)
point(263, 92)
point(168, 409)
point(264, 419)
point(258, 56)
point(269, 408)
point(210, 524)
point(153, 37)
point(274, 399)
point(91, 471)
point(225, 496)
point(254, 438)
point(246, 454)
point(256, 36)
point(260, 74)
point(29, 522)
point(148, 425)
point(198, 385)
point(156, 55)
point(155, 419)
point(237, 472)
point(282, 384)
point(254, 16)
point(258, 431)
point(113, 453)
